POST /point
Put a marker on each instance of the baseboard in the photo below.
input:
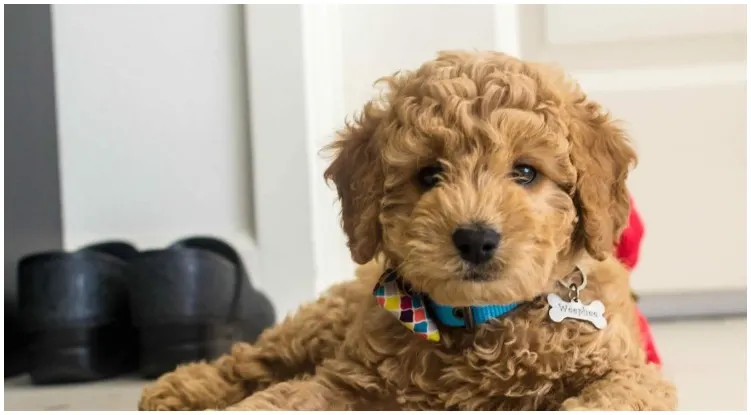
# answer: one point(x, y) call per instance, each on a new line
point(693, 305)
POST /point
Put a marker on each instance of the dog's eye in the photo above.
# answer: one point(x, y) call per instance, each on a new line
point(429, 176)
point(524, 174)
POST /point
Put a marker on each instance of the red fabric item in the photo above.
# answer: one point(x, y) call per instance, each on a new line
point(647, 340)
point(627, 251)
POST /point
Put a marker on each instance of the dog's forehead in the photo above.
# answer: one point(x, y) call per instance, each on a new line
point(460, 105)
point(424, 129)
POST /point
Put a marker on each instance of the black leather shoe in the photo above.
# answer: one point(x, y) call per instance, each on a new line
point(16, 347)
point(74, 309)
point(193, 301)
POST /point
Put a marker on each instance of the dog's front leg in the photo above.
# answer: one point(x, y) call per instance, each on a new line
point(297, 395)
point(338, 385)
point(627, 388)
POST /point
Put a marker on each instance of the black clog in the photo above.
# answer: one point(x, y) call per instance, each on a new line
point(75, 311)
point(192, 301)
point(16, 348)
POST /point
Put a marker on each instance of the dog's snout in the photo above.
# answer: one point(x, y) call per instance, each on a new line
point(476, 244)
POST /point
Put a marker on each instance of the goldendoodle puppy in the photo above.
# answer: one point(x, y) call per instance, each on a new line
point(485, 195)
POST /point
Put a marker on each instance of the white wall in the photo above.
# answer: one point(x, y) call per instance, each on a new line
point(152, 120)
point(379, 40)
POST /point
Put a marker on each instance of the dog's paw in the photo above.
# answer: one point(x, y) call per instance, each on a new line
point(578, 404)
point(173, 393)
point(575, 404)
point(155, 401)
point(253, 405)
point(193, 387)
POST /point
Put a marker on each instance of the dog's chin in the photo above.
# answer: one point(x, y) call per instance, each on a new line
point(489, 286)
point(478, 276)
point(483, 273)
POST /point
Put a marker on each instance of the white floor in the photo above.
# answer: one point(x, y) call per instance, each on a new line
point(706, 359)
point(707, 362)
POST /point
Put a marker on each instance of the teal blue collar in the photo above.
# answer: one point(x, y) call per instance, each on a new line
point(469, 316)
point(418, 313)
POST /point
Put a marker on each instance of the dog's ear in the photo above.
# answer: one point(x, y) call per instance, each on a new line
point(357, 173)
point(603, 156)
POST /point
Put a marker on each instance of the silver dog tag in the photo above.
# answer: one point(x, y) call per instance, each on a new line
point(593, 312)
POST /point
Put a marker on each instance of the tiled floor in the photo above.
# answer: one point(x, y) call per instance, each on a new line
point(706, 359)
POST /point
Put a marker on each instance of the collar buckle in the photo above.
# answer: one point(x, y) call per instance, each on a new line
point(469, 318)
point(465, 314)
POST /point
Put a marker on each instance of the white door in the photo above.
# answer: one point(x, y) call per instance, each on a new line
point(676, 74)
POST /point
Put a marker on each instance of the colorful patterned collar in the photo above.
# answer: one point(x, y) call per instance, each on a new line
point(418, 313)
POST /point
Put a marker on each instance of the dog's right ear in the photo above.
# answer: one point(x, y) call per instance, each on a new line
point(603, 156)
point(357, 173)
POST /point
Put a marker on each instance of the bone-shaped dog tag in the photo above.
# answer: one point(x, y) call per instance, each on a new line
point(593, 312)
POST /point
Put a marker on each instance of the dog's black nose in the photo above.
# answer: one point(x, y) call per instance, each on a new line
point(476, 244)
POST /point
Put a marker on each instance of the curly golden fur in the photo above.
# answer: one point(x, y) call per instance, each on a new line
point(477, 116)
